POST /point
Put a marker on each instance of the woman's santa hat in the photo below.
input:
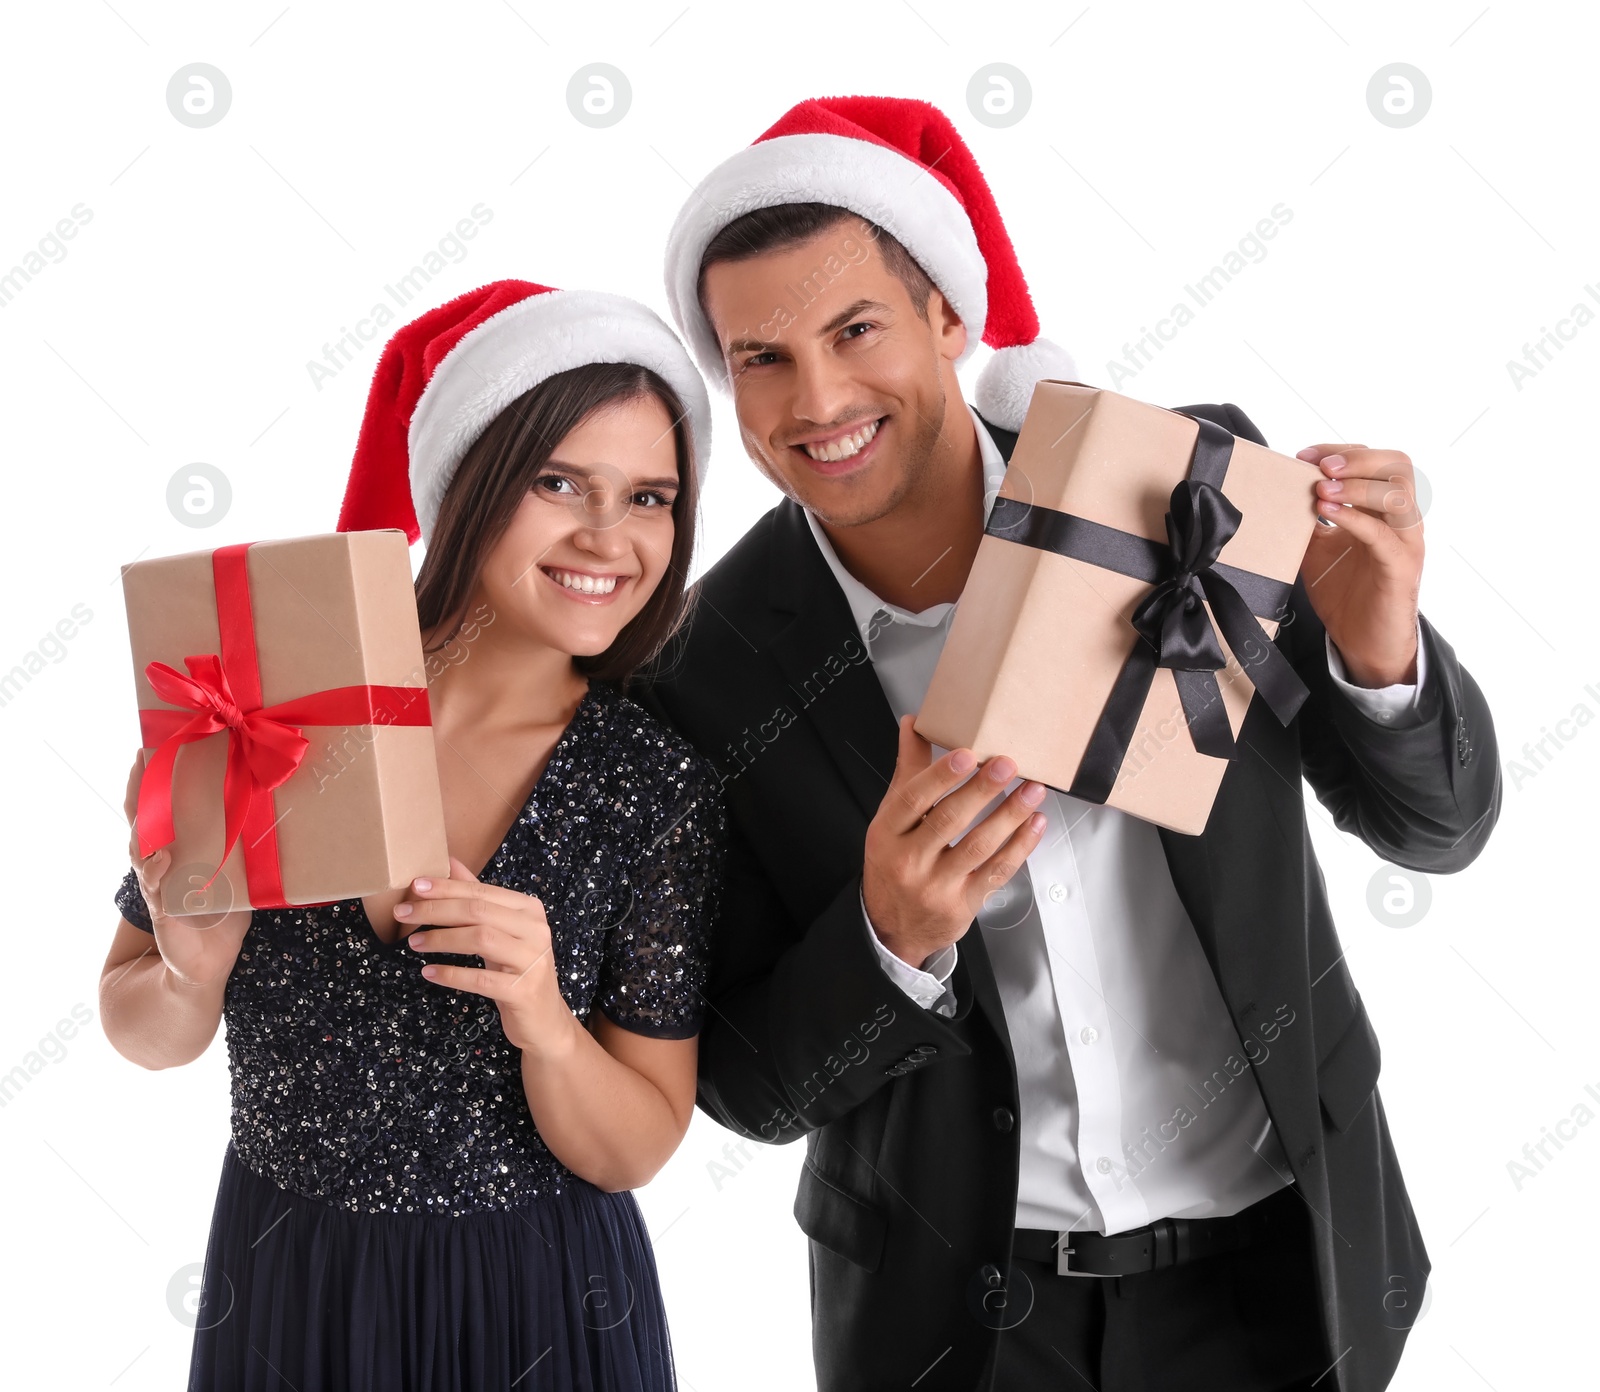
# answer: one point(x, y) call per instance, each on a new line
point(902, 165)
point(446, 375)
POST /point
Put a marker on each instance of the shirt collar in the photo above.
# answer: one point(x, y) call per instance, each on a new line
point(863, 603)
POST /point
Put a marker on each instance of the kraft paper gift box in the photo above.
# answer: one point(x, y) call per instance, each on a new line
point(1118, 617)
point(283, 710)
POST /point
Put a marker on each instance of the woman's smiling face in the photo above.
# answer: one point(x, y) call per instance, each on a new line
point(592, 538)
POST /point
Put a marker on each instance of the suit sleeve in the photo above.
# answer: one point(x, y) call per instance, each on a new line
point(1424, 793)
point(803, 1023)
point(803, 1027)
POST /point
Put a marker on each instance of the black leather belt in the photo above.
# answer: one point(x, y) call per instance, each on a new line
point(1166, 1242)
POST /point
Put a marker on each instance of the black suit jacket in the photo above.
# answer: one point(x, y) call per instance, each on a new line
point(908, 1191)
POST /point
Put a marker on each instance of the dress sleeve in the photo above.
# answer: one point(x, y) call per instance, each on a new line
point(653, 975)
point(130, 899)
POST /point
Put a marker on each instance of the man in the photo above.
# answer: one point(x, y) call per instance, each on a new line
point(1087, 1103)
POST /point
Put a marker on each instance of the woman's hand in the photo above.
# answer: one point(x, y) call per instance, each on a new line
point(510, 932)
point(198, 949)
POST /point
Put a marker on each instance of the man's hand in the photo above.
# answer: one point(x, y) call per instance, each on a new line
point(1364, 572)
point(921, 892)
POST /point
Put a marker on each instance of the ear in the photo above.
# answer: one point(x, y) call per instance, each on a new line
point(950, 334)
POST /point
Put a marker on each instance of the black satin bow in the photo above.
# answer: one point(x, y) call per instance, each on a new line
point(1175, 630)
point(1175, 625)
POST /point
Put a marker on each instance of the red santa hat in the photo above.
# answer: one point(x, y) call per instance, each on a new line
point(902, 165)
point(445, 376)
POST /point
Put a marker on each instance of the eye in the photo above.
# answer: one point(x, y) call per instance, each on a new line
point(849, 329)
point(558, 485)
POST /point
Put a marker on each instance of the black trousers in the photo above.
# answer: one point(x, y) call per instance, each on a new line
point(1243, 1321)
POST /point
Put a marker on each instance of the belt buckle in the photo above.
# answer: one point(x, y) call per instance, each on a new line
point(1063, 1252)
point(1163, 1239)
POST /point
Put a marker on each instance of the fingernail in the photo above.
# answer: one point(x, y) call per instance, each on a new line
point(402, 910)
point(1336, 462)
point(1036, 823)
point(416, 939)
point(962, 760)
point(422, 886)
point(1033, 794)
point(1332, 486)
point(1002, 768)
point(430, 971)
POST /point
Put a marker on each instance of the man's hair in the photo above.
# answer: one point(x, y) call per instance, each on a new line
point(788, 224)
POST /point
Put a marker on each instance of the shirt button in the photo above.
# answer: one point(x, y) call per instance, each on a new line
point(1088, 1034)
point(1004, 1118)
point(1103, 1164)
point(1058, 892)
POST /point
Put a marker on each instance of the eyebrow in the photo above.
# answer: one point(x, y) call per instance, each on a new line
point(849, 312)
point(839, 320)
point(578, 471)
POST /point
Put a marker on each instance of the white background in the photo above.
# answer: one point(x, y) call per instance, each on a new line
point(217, 261)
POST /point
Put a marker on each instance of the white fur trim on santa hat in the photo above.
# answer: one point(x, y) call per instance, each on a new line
point(1005, 386)
point(520, 347)
point(878, 183)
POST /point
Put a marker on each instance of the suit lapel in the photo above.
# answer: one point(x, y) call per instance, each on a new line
point(1244, 903)
point(823, 658)
point(824, 661)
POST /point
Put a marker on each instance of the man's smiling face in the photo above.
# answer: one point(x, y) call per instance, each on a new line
point(841, 400)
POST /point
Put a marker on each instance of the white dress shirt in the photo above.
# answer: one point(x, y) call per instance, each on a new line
point(1137, 1100)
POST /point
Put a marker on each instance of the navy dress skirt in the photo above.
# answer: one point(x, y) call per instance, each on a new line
point(388, 1218)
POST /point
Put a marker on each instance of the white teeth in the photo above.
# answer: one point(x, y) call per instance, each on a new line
point(844, 448)
point(588, 584)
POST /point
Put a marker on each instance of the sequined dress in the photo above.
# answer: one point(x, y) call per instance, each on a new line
point(388, 1217)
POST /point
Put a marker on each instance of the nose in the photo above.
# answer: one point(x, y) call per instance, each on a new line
point(600, 515)
point(823, 389)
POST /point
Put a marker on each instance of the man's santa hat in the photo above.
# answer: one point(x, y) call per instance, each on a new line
point(445, 376)
point(902, 165)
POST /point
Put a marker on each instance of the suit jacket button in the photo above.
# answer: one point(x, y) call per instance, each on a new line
point(1004, 1118)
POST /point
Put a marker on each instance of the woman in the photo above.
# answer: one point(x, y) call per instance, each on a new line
point(442, 1095)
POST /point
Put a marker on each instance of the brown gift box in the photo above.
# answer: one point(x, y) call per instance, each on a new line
point(1040, 640)
point(362, 812)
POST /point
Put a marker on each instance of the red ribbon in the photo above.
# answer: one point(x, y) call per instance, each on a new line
point(265, 745)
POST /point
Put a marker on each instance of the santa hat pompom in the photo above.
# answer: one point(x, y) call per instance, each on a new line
point(1005, 386)
point(442, 379)
point(901, 164)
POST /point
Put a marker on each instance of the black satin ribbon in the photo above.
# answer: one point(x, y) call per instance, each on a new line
point(1173, 626)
